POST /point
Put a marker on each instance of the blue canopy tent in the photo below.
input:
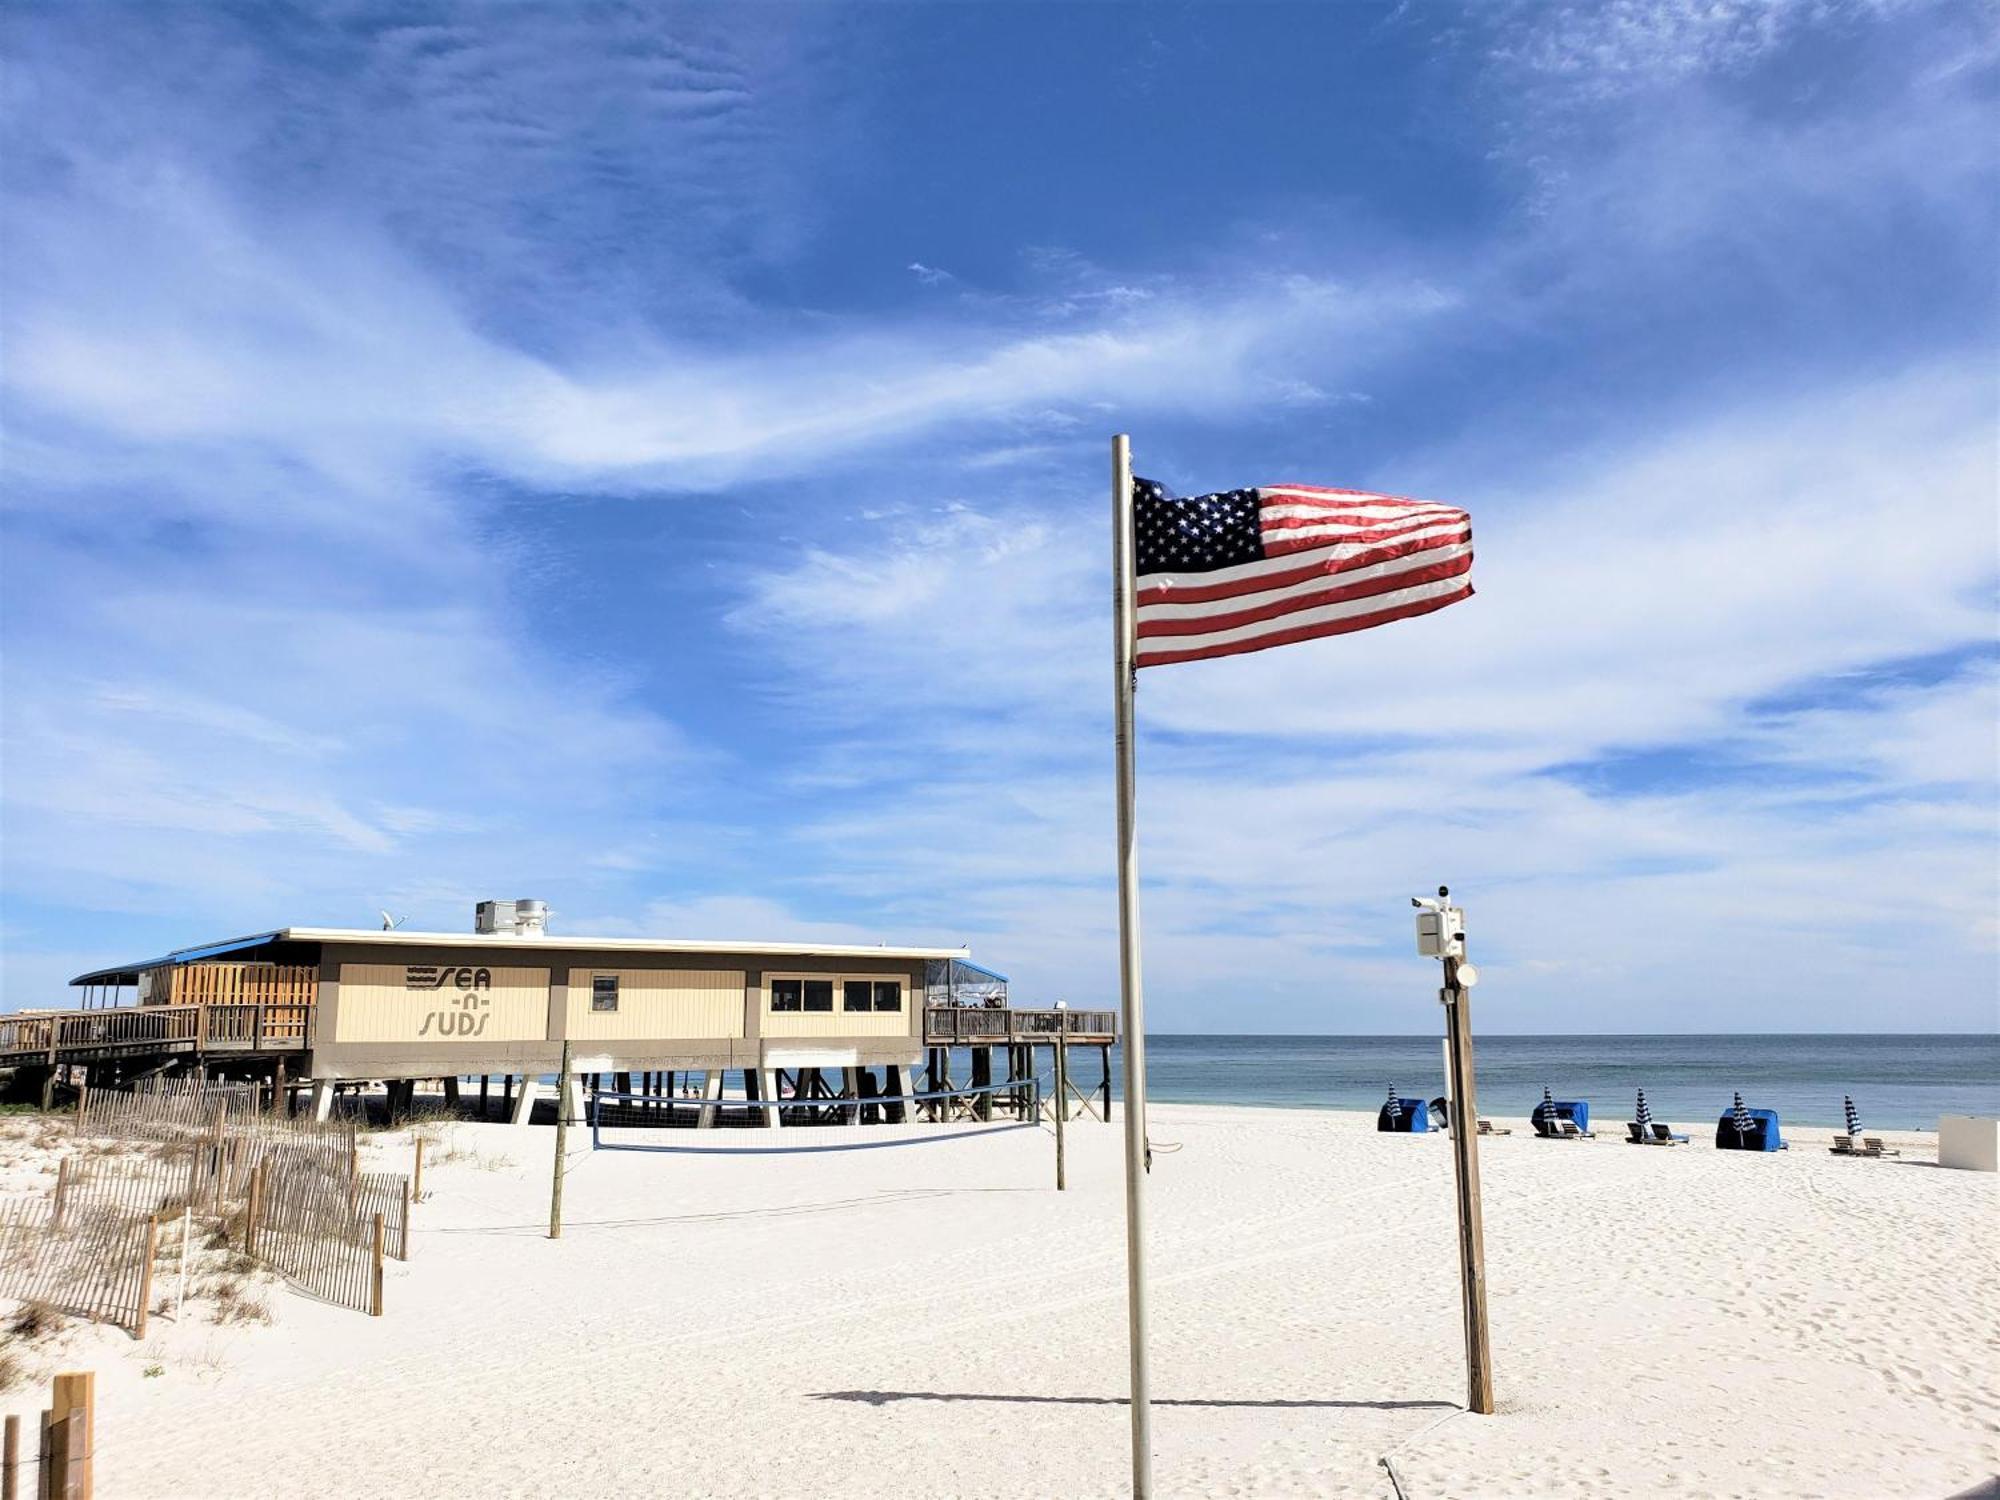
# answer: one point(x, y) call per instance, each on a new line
point(1403, 1116)
point(1552, 1109)
point(1745, 1129)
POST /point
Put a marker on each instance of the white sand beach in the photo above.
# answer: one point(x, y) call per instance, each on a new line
point(936, 1320)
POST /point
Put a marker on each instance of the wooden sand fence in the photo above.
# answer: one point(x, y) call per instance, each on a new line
point(171, 1110)
point(328, 1234)
point(94, 1261)
point(288, 1193)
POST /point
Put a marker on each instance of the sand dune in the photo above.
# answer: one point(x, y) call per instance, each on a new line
point(936, 1320)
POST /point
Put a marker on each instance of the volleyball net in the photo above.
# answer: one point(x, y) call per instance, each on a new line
point(687, 1122)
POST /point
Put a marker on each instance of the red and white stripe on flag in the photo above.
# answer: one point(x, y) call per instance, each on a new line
point(1333, 561)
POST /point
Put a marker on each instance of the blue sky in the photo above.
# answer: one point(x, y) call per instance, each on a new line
point(654, 460)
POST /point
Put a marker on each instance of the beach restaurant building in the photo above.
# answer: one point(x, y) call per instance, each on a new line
point(323, 1005)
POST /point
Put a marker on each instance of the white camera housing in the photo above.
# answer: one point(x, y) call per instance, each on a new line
point(1440, 931)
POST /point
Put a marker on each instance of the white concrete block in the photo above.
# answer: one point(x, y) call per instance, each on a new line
point(1969, 1141)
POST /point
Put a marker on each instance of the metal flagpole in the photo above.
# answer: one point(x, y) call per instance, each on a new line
point(1125, 631)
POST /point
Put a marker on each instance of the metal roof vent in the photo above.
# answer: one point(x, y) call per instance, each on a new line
point(511, 918)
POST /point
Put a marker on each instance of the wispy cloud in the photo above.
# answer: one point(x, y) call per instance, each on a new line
point(296, 332)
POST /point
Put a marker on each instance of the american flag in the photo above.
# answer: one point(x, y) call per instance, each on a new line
point(1245, 569)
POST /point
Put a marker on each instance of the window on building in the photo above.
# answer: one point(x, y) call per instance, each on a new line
point(788, 994)
point(819, 994)
point(857, 994)
point(888, 994)
point(604, 992)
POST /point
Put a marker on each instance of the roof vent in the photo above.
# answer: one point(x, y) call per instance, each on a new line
point(511, 918)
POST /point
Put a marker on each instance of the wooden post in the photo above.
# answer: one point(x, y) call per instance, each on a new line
point(1471, 1231)
point(562, 1144)
point(10, 1461)
point(484, 1080)
point(55, 1457)
point(146, 1276)
point(62, 1192)
point(82, 1100)
point(417, 1176)
point(279, 1103)
point(73, 1416)
point(1062, 1109)
point(403, 1236)
point(45, 1467)
point(375, 1271)
point(250, 1210)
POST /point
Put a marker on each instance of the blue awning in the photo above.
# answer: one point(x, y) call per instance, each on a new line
point(129, 973)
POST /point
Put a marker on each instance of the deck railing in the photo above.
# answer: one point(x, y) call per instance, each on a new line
point(65, 1035)
point(982, 1026)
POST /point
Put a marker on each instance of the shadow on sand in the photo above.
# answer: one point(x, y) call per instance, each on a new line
point(883, 1398)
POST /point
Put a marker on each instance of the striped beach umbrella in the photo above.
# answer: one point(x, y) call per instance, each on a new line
point(1645, 1115)
point(1740, 1116)
point(1395, 1104)
point(1853, 1115)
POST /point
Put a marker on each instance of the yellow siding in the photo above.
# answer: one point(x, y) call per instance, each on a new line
point(838, 1022)
point(473, 1004)
point(659, 1004)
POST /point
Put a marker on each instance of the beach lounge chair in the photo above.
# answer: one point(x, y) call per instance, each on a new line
point(1843, 1145)
point(1486, 1128)
point(1637, 1132)
point(1663, 1134)
point(1568, 1130)
point(1871, 1145)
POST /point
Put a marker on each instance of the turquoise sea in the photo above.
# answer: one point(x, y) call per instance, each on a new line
point(1898, 1082)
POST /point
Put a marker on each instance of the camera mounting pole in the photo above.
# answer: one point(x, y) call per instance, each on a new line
point(1441, 935)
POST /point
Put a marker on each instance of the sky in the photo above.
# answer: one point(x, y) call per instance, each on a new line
point(655, 460)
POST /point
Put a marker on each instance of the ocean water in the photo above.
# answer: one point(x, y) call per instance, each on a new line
point(1898, 1082)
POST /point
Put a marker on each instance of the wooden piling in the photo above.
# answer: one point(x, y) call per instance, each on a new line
point(417, 1173)
point(982, 1075)
point(484, 1080)
point(375, 1269)
point(403, 1233)
point(62, 1192)
point(10, 1461)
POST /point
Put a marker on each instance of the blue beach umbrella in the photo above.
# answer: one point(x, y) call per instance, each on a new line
point(1740, 1116)
point(1853, 1115)
point(1645, 1115)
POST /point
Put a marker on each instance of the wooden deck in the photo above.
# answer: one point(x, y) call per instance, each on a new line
point(73, 1036)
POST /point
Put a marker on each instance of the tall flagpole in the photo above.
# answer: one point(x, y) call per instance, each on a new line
point(1125, 630)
